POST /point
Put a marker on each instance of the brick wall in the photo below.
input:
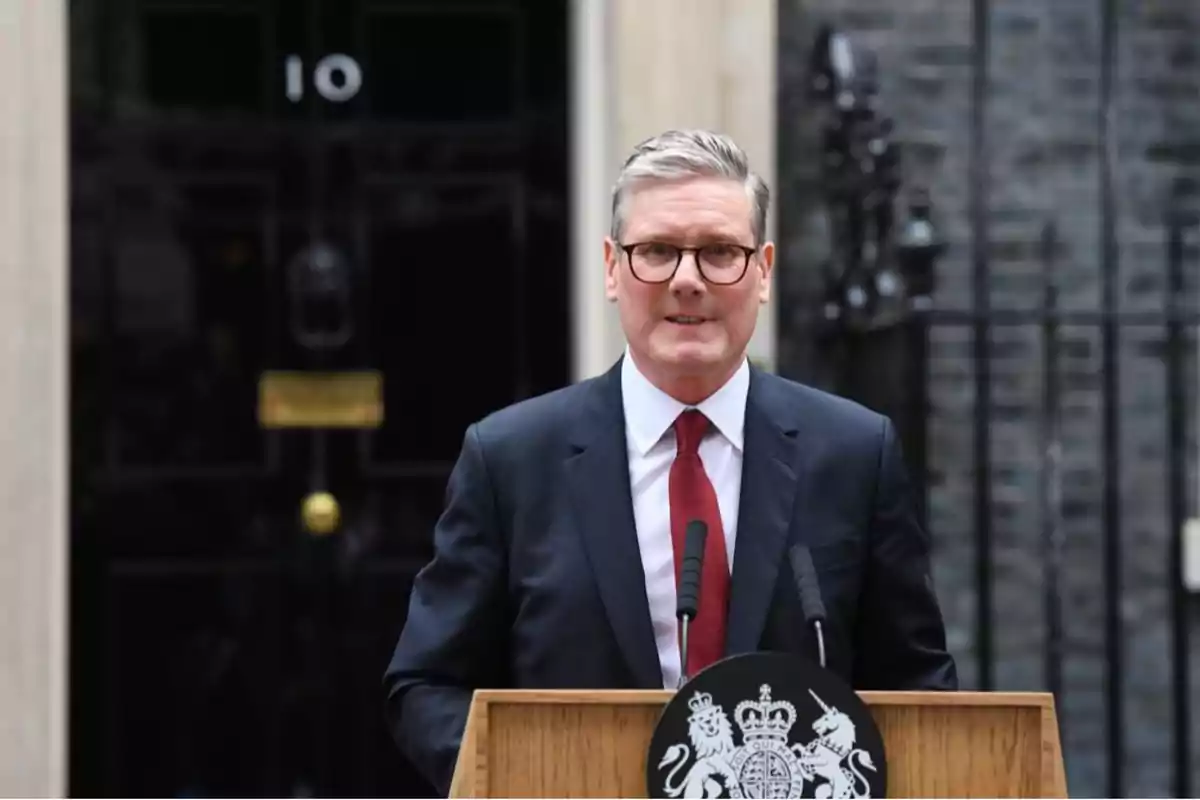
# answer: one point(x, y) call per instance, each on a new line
point(1045, 164)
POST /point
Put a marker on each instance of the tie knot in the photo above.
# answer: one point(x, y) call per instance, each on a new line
point(690, 427)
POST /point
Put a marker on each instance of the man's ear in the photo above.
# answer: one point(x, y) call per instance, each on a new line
point(766, 266)
point(612, 263)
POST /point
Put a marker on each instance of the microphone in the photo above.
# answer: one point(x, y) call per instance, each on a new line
point(688, 597)
point(810, 594)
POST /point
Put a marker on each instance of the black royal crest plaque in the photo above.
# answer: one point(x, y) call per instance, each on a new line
point(766, 725)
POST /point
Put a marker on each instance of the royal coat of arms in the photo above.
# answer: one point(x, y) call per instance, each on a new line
point(767, 762)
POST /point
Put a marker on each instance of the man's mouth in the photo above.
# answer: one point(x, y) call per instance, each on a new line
point(685, 319)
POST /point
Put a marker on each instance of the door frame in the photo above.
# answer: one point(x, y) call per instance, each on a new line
point(34, 416)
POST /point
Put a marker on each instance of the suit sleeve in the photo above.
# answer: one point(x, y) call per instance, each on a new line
point(901, 636)
point(454, 637)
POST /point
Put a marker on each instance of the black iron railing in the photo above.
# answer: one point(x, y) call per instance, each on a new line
point(879, 281)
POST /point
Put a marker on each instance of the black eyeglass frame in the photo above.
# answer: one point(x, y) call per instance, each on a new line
point(749, 253)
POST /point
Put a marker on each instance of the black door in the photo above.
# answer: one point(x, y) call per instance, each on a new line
point(322, 187)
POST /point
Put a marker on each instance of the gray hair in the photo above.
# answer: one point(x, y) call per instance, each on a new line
point(682, 154)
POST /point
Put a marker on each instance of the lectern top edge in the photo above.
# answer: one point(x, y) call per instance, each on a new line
point(1042, 700)
point(575, 696)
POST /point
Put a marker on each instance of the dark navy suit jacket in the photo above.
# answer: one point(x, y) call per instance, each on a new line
point(536, 580)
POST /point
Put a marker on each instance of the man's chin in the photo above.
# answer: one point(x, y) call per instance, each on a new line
point(692, 357)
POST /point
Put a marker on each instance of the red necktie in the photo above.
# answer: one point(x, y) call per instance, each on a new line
point(693, 497)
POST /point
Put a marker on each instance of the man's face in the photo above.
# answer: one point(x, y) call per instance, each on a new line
point(688, 329)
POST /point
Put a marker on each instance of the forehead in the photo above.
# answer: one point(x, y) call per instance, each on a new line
point(699, 207)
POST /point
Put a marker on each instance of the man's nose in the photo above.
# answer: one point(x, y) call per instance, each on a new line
point(688, 278)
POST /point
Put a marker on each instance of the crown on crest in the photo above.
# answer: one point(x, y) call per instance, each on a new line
point(765, 718)
point(700, 703)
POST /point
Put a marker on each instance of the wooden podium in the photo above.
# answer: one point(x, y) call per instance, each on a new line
point(593, 744)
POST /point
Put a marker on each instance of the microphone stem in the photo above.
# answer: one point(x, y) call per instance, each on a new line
point(683, 644)
point(820, 643)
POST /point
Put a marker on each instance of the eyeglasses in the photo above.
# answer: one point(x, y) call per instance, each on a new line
point(719, 263)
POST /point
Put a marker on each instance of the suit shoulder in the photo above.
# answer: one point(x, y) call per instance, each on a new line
point(812, 406)
point(533, 415)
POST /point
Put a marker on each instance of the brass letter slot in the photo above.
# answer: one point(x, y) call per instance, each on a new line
point(320, 400)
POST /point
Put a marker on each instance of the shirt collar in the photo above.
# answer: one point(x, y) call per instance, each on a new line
point(649, 411)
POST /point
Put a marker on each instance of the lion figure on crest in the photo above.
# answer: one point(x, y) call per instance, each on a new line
point(832, 756)
point(711, 735)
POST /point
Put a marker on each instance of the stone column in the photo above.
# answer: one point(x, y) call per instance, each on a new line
point(640, 68)
point(33, 398)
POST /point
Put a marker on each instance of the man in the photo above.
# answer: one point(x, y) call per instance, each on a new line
point(556, 557)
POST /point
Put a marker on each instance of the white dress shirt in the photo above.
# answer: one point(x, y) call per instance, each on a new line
point(650, 414)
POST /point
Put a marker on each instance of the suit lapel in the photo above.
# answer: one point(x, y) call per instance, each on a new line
point(598, 477)
point(768, 491)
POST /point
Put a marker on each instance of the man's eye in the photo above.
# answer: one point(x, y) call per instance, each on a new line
point(653, 251)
